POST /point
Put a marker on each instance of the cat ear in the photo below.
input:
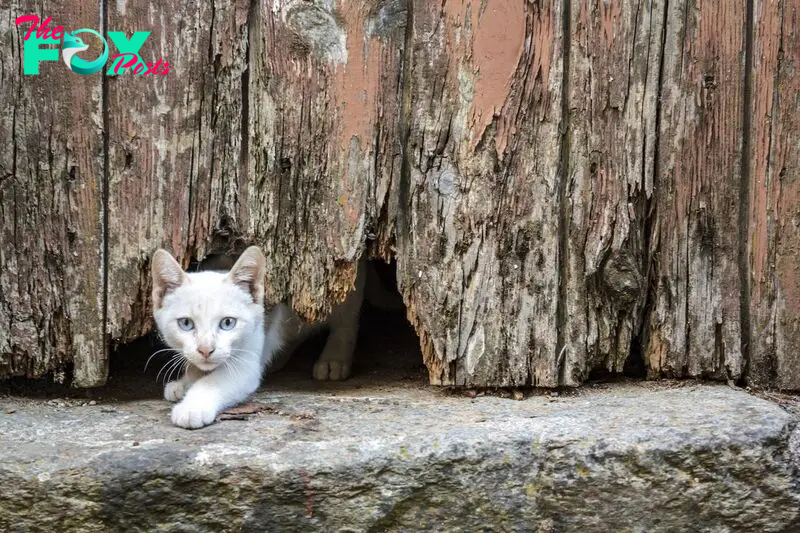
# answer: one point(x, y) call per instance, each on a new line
point(248, 273)
point(167, 276)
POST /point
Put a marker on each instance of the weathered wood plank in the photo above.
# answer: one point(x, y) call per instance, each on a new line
point(264, 131)
point(323, 150)
point(51, 189)
point(615, 54)
point(219, 185)
point(175, 141)
point(477, 249)
point(774, 163)
point(532, 247)
point(694, 326)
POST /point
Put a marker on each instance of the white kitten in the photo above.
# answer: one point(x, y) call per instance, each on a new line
point(216, 321)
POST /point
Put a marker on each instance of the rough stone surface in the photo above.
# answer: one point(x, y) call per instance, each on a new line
point(624, 458)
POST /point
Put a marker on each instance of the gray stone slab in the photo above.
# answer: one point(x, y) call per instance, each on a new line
point(636, 458)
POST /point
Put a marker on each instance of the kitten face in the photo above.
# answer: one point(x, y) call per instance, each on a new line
point(207, 316)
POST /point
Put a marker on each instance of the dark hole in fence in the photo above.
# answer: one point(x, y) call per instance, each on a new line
point(387, 350)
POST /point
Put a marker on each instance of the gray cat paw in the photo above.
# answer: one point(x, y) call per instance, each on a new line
point(331, 370)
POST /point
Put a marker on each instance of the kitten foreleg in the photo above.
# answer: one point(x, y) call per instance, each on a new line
point(336, 360)
point(213, 393)
point(175, 390)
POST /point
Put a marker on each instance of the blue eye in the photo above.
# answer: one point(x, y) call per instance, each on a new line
point(227, 323)
point(186, 324)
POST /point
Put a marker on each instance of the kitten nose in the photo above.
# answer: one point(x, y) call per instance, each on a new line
point(205, 351)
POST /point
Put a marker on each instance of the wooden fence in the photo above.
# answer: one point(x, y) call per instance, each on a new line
point(566, 185)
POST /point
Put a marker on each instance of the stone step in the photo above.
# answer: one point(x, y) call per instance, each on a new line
point(631, 457)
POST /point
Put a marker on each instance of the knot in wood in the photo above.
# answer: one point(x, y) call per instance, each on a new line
point(622, 279)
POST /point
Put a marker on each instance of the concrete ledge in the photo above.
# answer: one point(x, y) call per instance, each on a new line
point(625, 458)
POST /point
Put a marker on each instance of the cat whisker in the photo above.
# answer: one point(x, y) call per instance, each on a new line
point(169, 372)
point(238, 358)
point(155, 354)
point(240, 350)
point(175, 368)
point(180, 369)
point(231, 366)
point(238, 367)
point(176, 359)
point(163, 368)
point(171, 359)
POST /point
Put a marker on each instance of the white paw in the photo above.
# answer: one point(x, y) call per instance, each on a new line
point(327, 370)
point(174, 391)
point(193, 415)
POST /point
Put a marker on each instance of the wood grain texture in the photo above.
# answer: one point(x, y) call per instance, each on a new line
point(613, 92)
point(566, 186)
point(477, 254)
point(774, 244)
point(175, 144)
point(694, 326)
point(270, 128)
point(323, 147)
point(51, 191)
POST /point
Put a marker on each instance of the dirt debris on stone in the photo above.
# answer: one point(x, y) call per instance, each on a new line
point(245, 411)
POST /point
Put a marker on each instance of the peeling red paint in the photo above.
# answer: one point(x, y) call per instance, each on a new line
point(497, 48)
point(357, 87)
point(488, 43)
